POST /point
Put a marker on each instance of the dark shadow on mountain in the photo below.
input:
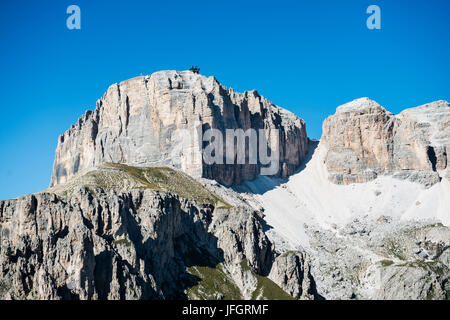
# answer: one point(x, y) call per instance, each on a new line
point(313, 289)
point(263, 184)
point(66, 294)
point(182, 241)
point(265, 226)
point(103, 274)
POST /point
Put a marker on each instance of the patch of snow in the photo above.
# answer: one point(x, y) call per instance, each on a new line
point(309, 198)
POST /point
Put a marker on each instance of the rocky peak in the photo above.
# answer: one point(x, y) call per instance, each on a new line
point(141, 121)
point(361, 106)
point(433, 120)
point(365, 140)
point(182, 80)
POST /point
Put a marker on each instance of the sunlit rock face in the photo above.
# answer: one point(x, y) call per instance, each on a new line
point(365, 140)
point(143, 121)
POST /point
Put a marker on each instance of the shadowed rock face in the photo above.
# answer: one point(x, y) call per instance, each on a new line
point(138, 122)
point(365, 140)
point(130, 245)
point(121, 232)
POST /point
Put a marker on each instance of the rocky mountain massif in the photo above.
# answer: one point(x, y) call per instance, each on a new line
point(365, 140)
point(114, 234)
point(363, 214)
point(141, 121)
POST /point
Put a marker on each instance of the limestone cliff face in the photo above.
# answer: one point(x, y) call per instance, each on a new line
point(292, 272)
point(365, 140)
point(131, 245)
point(140, 121)
point(122, 232)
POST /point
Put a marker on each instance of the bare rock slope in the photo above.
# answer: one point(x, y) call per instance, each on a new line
point(121, 232)
point(140, 121)
point(365, 140)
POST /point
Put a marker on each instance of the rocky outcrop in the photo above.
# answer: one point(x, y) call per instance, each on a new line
point(143, 122)
point(365, 140)
point(291, 271)
point(385, 259)
point(86, 242)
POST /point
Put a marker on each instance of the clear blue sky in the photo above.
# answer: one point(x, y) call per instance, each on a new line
point(306, 56)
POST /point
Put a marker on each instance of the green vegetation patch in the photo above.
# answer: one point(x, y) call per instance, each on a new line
point(386, 263)
point(124, 242)
point(122, 178)
point(266, 289)
point(164, 178)
point(213, 284)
